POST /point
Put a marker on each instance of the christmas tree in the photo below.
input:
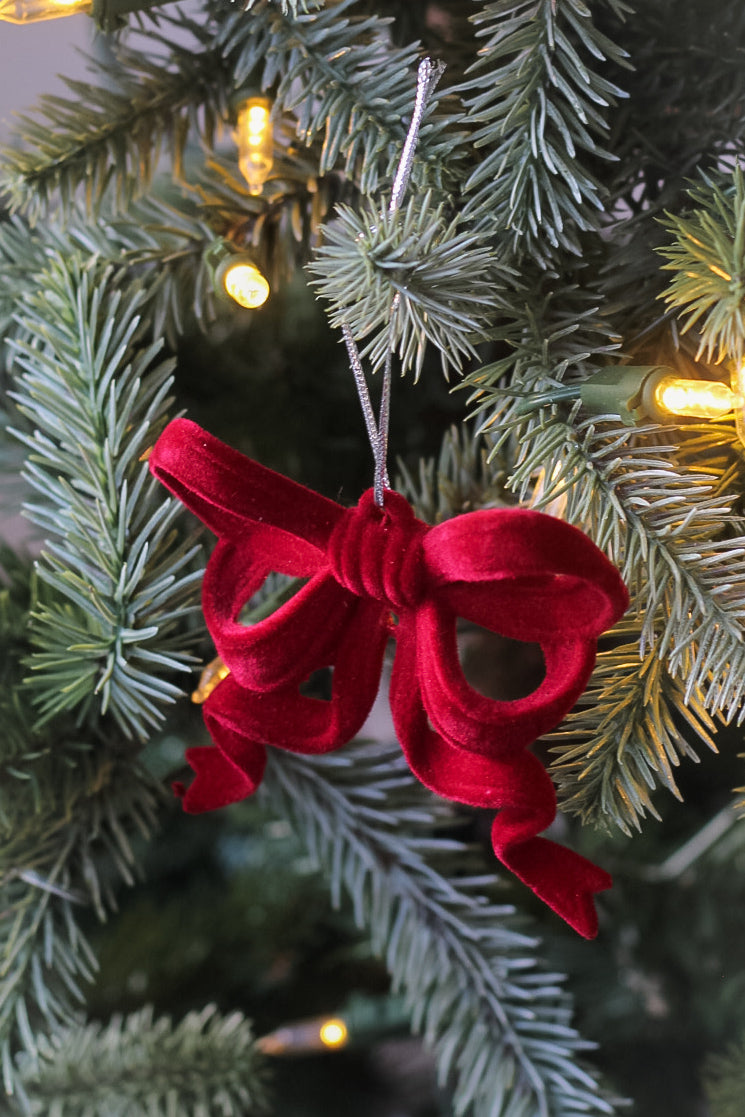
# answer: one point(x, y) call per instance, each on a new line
point(514, 233)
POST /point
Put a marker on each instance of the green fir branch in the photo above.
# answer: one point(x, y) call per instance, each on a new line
point(21, 748)
point(461, 479)
point(547, 337)
point(162, 245)
point(108, 628)
point(671, 127)
point(345, 83)
point(63, 811)
point(499, 1024)
point(45, 960)
point(68, 810)
point(445, 283)
point(336, 73)
point(670, 529)
point(22, 257)
point(105, 140)
point(540, 110)
point(282, 226)
point(625, 738)
point(724, 1080)
point(707, 260)
point(670, 526)
point(207, 1065)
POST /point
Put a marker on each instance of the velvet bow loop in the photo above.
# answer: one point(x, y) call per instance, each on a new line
point(525, 576)
point(229, 492)
point(266, 523)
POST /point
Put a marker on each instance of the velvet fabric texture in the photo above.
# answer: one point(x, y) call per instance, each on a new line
point(376, 574)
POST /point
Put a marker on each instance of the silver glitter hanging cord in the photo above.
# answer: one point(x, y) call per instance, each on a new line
point(428, 75)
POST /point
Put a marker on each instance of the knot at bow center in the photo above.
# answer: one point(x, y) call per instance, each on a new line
point(377, 552)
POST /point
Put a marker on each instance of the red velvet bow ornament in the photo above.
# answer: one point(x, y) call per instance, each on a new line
point(375, 574)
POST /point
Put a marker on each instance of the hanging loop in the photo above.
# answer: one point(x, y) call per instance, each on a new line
point(428, 75)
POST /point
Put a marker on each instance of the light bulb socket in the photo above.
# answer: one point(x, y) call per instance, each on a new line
point(626, 391)
point(220, 250)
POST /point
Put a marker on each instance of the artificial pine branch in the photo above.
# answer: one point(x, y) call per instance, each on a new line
point(67, 806)
point(444, 281)
point(207, 1065)
point(63, 808)
point(461, 479)
point(282, 226)
point(21, 256)
point(623, 740)
point(110, 631)
point(671, 528)
point(341, 78)
point(497, 1021)
point(668, 130)
point(106, 139)
point(547, 337)
point(670, 125)
point(725, 1081)
point(539, 109)
point(159, 244)
point(66, 803)
point(674, 534)
point(163, 245)
point(707, 260)
point(339, 75)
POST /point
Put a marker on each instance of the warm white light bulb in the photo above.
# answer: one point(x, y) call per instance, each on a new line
point(246, 285)
point(211, 677)
point(333, 1033)
point(255, 138)
point(696, 399)
point(257, 120)
point(738, 387)
point(35, 11)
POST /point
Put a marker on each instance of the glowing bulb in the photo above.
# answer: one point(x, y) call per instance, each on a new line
point(333, 1033)
point(698, 399)
point(234, 274)
point(34, 11)
point(246, 285)
point(211, 676)
point(737, 381)
point(257, 119)
point(255, 138)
